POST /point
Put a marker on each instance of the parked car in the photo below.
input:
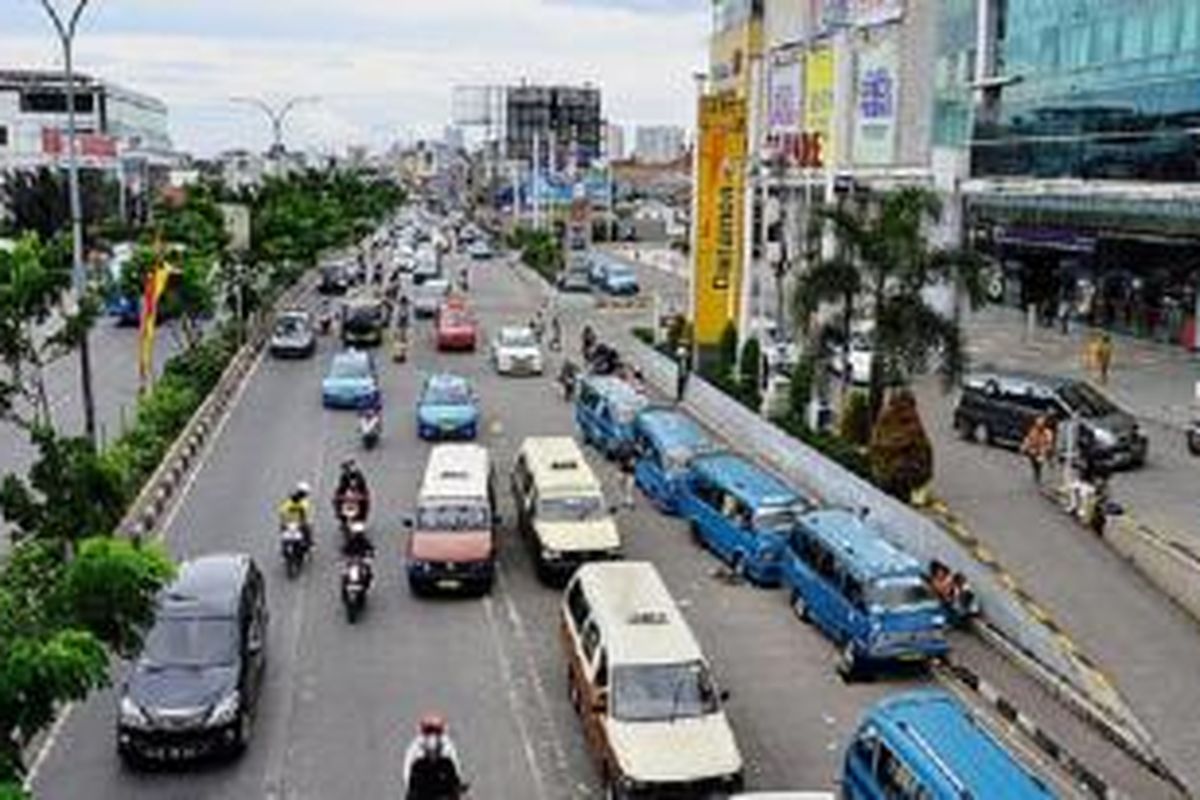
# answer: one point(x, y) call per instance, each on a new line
point(515, 351)
point(605, 408)
point(193, 690)
point(666, 441)
point(350, 381)
point(619, 279)
point(292, 335)
point(998, 406)
point(574, 279)
point(447, 408)
point(860, 357)
point(456, 328)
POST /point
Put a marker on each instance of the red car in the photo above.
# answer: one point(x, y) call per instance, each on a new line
point(456, 328)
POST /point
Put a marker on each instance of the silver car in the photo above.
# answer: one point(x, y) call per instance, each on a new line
point(292, 335)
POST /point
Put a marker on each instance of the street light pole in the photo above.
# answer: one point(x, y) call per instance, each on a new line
point(276, 116)
point(66, 35)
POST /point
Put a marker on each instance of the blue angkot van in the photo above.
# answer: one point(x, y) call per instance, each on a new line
point(864, 592)
point(666, 441)
point(605, 408)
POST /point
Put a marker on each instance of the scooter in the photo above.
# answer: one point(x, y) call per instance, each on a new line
point(370, 427)
point(356, 580)
point(294, 547)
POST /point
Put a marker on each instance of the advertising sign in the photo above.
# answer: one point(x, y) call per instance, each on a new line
point(785, 94)
point(819, 70)
point(876, 99)
point(829, 14)
point(720, 193)
point(89, 145)
point(877, 12)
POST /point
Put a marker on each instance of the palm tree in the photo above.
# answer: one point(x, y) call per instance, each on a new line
point(885, 261)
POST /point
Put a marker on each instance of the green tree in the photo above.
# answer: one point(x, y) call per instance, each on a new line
point(38, 202)
point(885, 259)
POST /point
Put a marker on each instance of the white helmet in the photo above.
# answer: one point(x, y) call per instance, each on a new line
point(303, 488)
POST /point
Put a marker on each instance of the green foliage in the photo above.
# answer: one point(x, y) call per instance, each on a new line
point(38, 201)
point(750, 374)
point(540, 250)
point(727, 349)
point(644, 334)
point(679, 332)
point(800, 390)
point(900, 452)
point(839, 450)
point(854, 424)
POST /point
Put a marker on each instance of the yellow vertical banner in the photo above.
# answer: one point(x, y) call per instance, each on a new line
point(818, 99)
point(720, 206)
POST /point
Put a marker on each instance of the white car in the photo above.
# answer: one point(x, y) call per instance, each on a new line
point(515, 351)
point(860, 358)
point(427, 296)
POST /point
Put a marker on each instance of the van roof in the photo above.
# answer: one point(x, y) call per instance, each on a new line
point(638, 618)
point(456, 471)
point(860, 545)
point(667, 427)
point(966, 756)
point(617, 389)
point(747, 481)
point(558, 465)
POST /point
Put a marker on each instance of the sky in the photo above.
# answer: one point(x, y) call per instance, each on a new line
point(383, 69)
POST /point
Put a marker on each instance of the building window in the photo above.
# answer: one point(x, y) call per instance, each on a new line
point(55, 102)
point(3, 136)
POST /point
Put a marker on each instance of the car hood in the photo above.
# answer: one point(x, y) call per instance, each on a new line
point(457, 330)
point(518, 352)
point(347, 384)
point(683, 750)
point(291, 338)
point(565, 537)
point(179, 688)
point(1119, 423)
point(437, 414)
point(457, 546)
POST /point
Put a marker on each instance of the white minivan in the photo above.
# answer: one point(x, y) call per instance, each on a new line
point(651, 711)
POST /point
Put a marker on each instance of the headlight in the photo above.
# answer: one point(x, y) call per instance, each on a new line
point(550, 555)
point(226, 710)
point(1104, 437)
point(132, 715)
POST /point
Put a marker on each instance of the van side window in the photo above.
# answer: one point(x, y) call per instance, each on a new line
point(864, 747)
point(823, 562)
point(853, 590)
point(591, 639)
point(602, 671)
point(709, 494)
point(577, 606)
point(895, 779)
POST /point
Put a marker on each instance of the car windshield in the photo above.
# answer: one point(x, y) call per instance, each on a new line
point(364, 316)
point(893, 594)
point(289, 326)
point(778, 518)
point(452, 517)
point(447, 393)
point(348, 368)
point(662, 692)
point(571, 509)
point(456, 319)
point(517, 337)
point(619, 271)
point(1086, 401)
point(190, 642)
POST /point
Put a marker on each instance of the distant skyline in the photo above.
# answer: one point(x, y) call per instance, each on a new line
point(384, 69)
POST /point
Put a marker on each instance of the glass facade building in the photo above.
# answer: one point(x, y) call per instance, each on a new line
point(1106, 89)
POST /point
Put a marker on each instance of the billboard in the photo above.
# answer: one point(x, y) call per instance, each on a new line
point(876, 99)
point(819, 71)
point(720, 206)
point(877, 12)
point(785, 93)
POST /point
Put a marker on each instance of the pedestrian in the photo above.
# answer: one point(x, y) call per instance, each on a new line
point(555, 334)
point(681, 373)
point(628, 480)
point(588, 343)
point(1104, 356)
point(1064, 316)
point(1038, 445)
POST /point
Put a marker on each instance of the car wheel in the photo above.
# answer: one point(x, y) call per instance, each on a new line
point(739, 568)
point(416, 587)
point(982, 434)
point(848, 666)
point(129, 758)
point(1193, 443)
point(573, 696)
point(800, 607)
point(697, 535)
point(245, 731)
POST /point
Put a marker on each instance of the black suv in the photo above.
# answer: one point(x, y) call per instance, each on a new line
point(999, 406)
point(193, 690)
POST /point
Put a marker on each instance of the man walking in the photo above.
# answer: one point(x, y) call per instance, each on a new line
point(1104, 356)
point(1038, 445)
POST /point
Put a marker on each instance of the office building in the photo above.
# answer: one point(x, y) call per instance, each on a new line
point(563, 123)
point(658, 144)
point(614, 142)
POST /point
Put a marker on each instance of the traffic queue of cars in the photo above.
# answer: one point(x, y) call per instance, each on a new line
point(651, 711)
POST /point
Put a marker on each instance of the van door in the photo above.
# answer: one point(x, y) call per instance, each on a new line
point(650, 472)
point(593, 695)
point(827, 606)
point(586, 402)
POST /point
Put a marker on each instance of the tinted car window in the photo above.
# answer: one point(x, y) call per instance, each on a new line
point(1086, 401)
point(191, 642)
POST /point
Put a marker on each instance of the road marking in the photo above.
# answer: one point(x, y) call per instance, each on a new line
point(179, 497)
point(514, 702)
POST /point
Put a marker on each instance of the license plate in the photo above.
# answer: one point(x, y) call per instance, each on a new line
point(448, 583)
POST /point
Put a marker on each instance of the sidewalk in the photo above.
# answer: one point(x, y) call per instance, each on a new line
point(1154, 381)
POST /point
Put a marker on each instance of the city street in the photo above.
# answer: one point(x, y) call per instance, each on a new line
point(341, 701)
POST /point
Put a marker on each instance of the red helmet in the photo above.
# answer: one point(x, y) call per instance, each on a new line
point(432, 724)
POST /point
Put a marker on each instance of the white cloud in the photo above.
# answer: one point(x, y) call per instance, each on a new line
point(384, 69)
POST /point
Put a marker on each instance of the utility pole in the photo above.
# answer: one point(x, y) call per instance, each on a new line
point(79, 282)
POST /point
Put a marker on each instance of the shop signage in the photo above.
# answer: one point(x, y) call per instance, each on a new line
point(819, 71)
point(876, 104)
point(877, 12)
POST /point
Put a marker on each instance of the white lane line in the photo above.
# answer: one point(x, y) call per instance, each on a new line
point(514, 701)
point(56, 729)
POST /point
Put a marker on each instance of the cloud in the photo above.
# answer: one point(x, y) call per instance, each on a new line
point(384, 70)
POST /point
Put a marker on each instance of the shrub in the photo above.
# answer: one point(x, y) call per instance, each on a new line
point(854, 424)
point(801, 388)
point(644, 335)
point(900, 453)
point(750, 375)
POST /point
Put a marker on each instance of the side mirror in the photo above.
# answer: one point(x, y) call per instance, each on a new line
point(724, 695)
point(409, 522)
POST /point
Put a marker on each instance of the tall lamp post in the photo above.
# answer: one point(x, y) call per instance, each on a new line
point(65, 28)
point(276, 115)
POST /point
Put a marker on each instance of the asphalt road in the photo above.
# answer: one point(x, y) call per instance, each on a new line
point(340, 702)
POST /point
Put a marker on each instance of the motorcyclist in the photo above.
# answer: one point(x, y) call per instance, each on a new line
point(297, 509)
point(352, 482)
point(359, 547)
point(431, 767)
point(589, 342)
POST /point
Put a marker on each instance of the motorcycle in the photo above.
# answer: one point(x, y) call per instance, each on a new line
point(440, 780)
point(294, 547)
point(1193, 437)
point(356, 580)
point(370, 424)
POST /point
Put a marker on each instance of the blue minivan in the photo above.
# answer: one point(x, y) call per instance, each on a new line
point(605, 408)
point(666, 441)
point(742, 513)
point(925, 744)
point(864, 592)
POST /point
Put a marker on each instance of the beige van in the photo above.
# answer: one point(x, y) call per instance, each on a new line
point(561, 509)
point(651, 712)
